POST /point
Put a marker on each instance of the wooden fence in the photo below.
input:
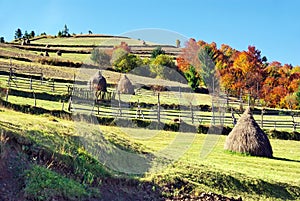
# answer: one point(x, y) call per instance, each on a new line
point(110, 104)
point(114, 107)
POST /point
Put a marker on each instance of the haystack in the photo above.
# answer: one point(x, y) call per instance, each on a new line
point(248, 137)
point(125, 86)
point(99, 82)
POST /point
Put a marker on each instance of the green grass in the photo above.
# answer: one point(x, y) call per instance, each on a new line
point(253, 178)
point(49, 105)
point(244, 171)
point(15, 51)
point(87, 41)
point(48, 70)
point(44, 184)
point(72, 57)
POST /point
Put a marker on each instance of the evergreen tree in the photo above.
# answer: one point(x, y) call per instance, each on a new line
point(32, 34)
point(157, 51)
point(65, 32)
point(18, 33)
point(26, 35)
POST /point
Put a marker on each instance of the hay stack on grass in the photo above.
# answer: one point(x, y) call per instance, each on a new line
point(125, 86)
point(248, 137)
point(99, 82)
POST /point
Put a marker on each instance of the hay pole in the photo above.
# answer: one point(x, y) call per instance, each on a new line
point(234, 120)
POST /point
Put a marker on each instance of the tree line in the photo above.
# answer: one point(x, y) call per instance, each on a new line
point(27, 35)
point(121, 59)
point(244, 73)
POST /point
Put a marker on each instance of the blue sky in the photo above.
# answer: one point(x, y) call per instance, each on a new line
point(273, 26)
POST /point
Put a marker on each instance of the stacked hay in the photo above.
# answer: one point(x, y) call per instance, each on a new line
point(248, 137)
point(99, 82)
point(125, 86)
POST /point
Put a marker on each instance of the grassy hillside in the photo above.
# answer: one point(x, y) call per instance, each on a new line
point(61, 159)
point(86, 41)
point(57, 143)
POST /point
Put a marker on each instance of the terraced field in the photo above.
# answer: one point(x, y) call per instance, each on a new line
point(60, 158)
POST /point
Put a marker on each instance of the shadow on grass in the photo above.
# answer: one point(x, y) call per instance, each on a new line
point(285, 159)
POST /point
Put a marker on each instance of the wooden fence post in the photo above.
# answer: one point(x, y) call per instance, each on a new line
point(8, 81)
point(63, 105)
point(6, 96)
point(139, 112)
point(34, 99)
point(262, 118)
point(119, 99)
point(70, 104)
point(241, 102)
point(158, 109)
point(30, 85)
point(53, 88)
point(192, 112)
point(42, 76)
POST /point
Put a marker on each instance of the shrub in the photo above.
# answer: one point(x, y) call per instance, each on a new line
point(44, 184)
point(157, 51)
point(123, 61)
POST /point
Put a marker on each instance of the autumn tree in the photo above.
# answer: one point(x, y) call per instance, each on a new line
point(100, 57)
point(162, 66)
point(182, 64)
point(123, 61)
point(123, 46)
point(190, 53)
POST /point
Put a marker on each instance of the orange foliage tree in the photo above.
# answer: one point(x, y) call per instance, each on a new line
point(245, 72)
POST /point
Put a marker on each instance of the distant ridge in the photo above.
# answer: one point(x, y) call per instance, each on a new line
point(97, 36)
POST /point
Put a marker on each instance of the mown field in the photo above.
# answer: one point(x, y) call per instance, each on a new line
point(222, 172)
point(95, 41)
point(61, 158)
